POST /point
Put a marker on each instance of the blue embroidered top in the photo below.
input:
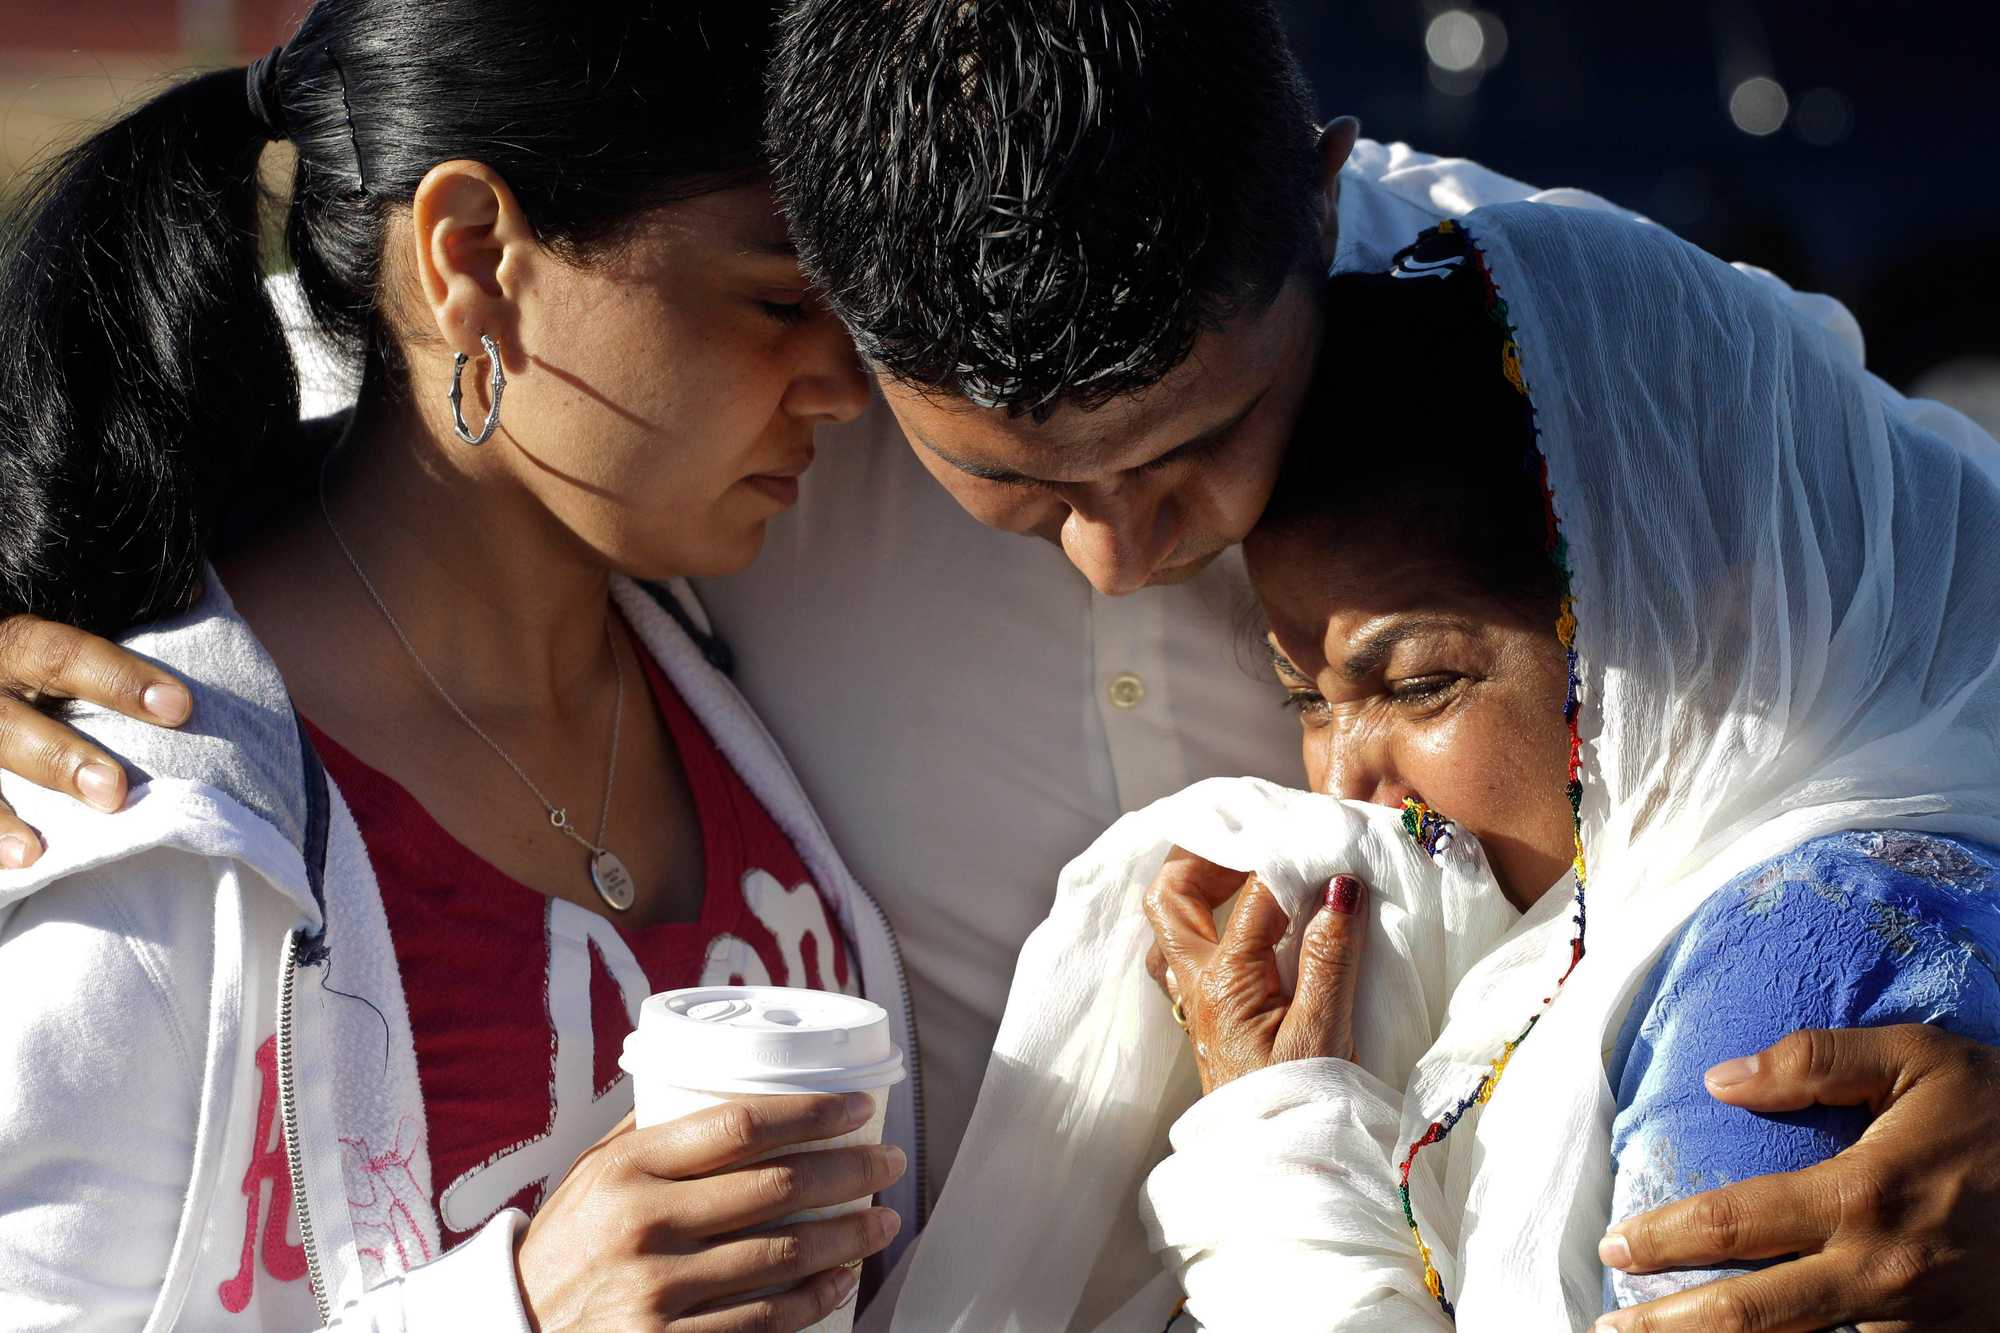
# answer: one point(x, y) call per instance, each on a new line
point(1849, 930)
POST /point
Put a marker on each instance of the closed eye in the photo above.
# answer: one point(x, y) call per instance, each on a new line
point(1303, 701)
point(786, 312)
point(1208, 442)
point(1186, 453)
point(1420, 690)
point(1300, 692)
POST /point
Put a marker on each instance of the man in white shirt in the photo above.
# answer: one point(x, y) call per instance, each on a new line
point(965, 710)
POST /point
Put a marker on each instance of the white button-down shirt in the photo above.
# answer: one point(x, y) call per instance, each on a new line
point(968, 714)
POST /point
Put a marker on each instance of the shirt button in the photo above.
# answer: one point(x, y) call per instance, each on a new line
point(1126, 690)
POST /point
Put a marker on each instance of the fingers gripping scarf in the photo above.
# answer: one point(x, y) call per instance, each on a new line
point(1786, 623)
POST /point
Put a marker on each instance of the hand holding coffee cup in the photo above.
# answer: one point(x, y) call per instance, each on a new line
point(738, 1205)
point(716, 1045)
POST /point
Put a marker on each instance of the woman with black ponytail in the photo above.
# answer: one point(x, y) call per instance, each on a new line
point(323, 1028)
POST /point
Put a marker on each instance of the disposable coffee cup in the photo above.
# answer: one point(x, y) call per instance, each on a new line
point(706, 1045)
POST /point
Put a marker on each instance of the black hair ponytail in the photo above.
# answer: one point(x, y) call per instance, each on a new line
point(145, 384)
point(143, 373)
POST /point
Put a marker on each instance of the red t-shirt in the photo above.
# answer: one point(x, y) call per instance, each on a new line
point(508, 989)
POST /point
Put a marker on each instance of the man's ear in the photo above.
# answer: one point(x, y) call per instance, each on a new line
point(475, 253)
point(1336, 141)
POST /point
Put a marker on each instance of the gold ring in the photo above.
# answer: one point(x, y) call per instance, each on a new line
point(1180, 1015)
point(854, 1264)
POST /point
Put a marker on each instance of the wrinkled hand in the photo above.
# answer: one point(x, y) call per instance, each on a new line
point(1901, 1231)
point(1238, 1014)
point(41, 661)
point(644, 1232)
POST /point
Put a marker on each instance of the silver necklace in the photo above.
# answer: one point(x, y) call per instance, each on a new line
point(608, 874)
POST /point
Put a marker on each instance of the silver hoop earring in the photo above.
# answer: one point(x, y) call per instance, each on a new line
point(497, 385)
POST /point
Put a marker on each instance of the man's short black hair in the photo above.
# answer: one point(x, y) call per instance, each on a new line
point(1029, 202)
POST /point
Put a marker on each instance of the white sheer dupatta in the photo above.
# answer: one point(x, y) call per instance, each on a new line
point(1039, 1226)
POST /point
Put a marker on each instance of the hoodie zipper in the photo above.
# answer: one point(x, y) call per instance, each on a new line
point(915, 1060)
point(288, 1114)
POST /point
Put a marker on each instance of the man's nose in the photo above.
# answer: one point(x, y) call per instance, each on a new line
point(1119, 542)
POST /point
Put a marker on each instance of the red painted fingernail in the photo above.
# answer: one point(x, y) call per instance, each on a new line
point(1343, 894)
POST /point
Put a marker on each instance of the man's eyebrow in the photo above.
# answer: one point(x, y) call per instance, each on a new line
point(779, 247)
point(1370, 655)
point(1009, 477)
point(983, 471)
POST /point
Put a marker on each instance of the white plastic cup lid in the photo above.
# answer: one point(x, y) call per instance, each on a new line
point(759, 1039)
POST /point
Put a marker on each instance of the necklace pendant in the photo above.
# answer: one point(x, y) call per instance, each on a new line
point(613, 881)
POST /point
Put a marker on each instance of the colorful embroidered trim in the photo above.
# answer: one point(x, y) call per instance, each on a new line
point(1427, 828)
point(1510, 366)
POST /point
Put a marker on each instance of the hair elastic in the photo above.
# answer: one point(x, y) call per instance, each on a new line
point(260, 87)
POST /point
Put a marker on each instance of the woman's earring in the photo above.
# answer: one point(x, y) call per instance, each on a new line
point(498, 386)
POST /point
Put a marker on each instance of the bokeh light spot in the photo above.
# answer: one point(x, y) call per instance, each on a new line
point(1455, 41)
point(1759, 106)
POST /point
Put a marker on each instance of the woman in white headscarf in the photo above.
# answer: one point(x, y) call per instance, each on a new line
point(1692, 631)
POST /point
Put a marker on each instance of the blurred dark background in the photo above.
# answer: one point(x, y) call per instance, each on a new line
point(1854, 148)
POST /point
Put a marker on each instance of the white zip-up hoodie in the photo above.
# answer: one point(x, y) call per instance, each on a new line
point(199, 991)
